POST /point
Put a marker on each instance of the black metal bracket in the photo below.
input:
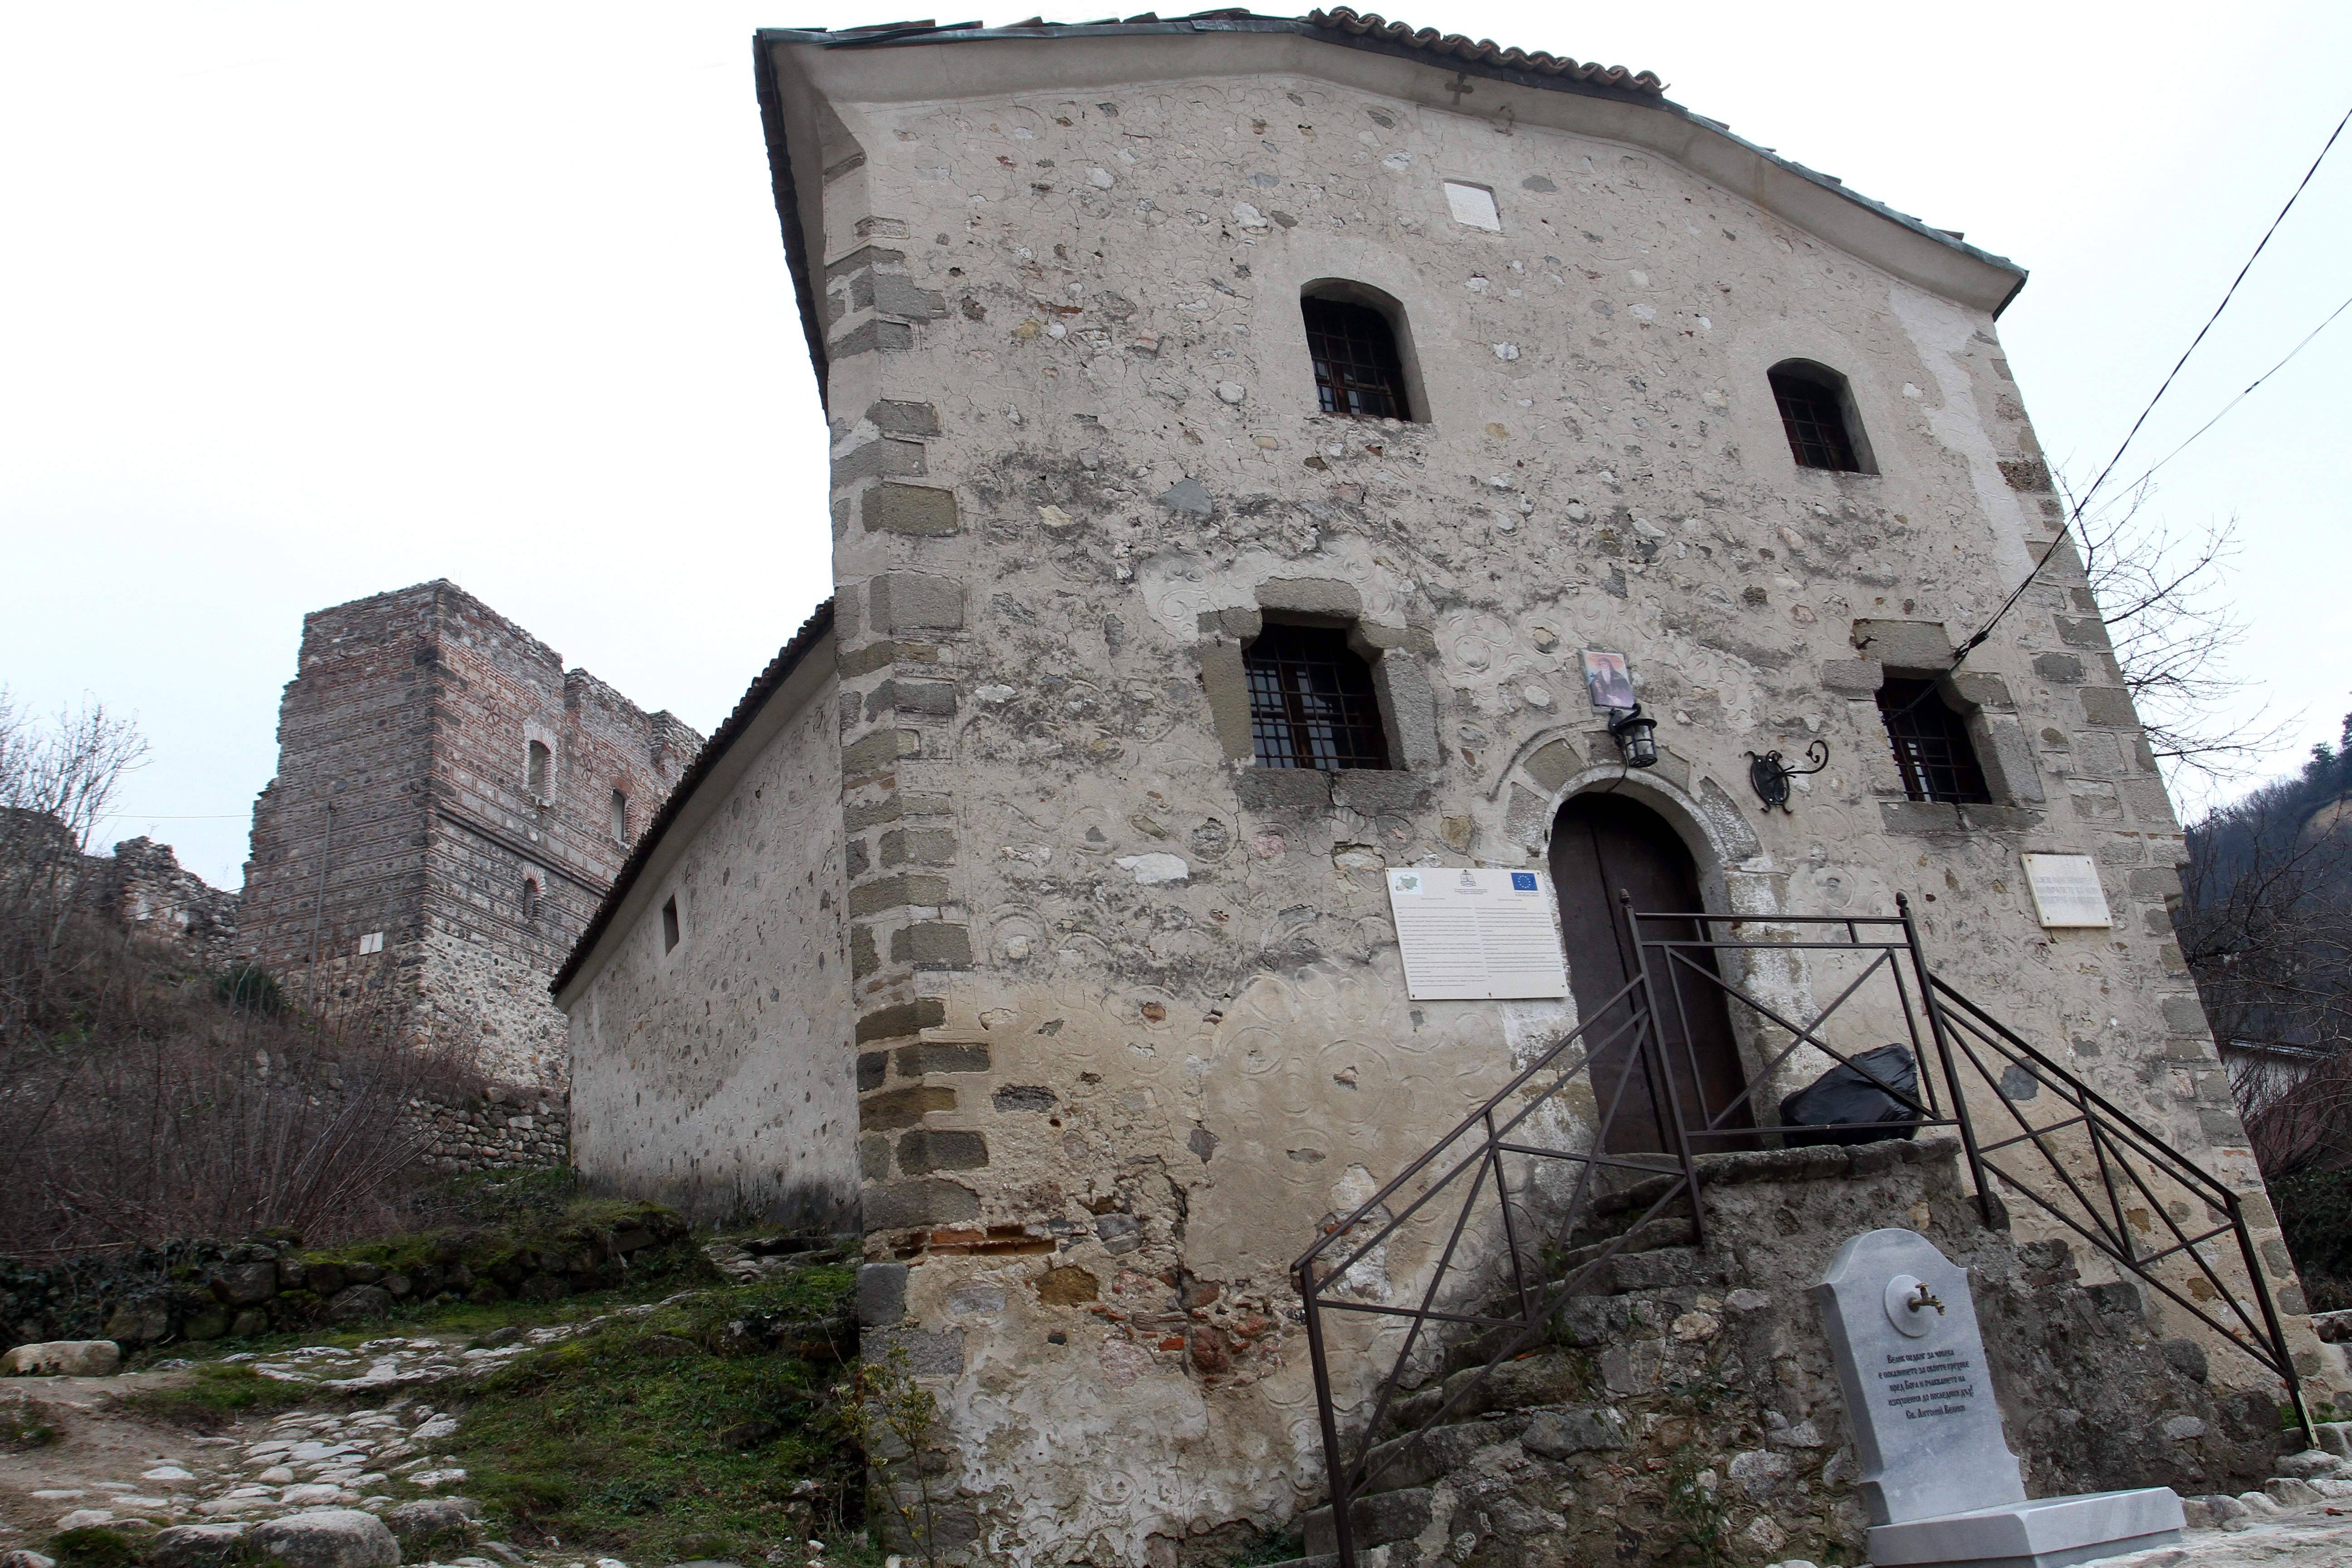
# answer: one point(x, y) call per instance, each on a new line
point(1768, 776)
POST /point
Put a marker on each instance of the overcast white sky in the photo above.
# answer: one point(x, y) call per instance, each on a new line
point(302, 302)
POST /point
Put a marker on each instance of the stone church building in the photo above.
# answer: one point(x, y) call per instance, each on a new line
point(450, 807)
point(1246, 432)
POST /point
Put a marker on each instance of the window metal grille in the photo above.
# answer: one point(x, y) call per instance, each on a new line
point(1814, 417)
point(1311, 702)
point(1931, 744)
point(1357, 370)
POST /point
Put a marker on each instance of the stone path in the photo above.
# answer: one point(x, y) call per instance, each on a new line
point(111, 1469)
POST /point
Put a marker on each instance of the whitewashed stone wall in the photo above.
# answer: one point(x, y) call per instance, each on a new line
point(714, 1076)
point(1129, 1017)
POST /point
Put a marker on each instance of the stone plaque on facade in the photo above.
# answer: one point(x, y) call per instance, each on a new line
point(1938, 1476)
point(2066, 890)
point(1476, 936)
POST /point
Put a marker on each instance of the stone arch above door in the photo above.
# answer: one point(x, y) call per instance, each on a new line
point(1554, 764)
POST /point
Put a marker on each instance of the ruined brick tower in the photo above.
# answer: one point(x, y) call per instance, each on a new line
point(450, 805)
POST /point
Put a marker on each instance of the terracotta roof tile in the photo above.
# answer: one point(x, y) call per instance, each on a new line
point(1480, 51)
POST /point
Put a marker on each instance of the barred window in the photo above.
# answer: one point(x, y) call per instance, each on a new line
point(1357, 367)
point(540, 767)
point(1311, 701)
point(1931, 744)
point(1813, 400)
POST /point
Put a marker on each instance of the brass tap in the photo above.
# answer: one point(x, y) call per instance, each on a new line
point(1922, 1299)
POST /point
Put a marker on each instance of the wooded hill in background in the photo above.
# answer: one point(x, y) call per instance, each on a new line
point(2265, 923)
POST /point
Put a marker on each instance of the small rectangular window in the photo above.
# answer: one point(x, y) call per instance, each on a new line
point(620, 816)
point(1931, 744)
point(540, 769)
point(1311, 701)
point(1473, 206)
point(669, 923)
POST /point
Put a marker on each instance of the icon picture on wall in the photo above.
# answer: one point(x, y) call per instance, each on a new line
point(1608, 678)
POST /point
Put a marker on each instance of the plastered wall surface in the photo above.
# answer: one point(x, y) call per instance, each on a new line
point(1128, 1019)
point(712, 1075)
point(412, 716)
point(1163, 1032)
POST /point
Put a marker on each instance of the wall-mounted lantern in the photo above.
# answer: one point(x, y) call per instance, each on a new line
point(1768, 776)
point(1608, 676)
point(1636, 736)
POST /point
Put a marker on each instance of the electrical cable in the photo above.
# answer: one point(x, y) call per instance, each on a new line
point(2274, 370)
point(2230, 293)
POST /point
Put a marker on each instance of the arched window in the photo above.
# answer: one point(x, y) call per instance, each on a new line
point(620, 816)
point(1355, 337)
point(1311, 701)
point(541, 768)
point(530, 899)
point(1817, 411)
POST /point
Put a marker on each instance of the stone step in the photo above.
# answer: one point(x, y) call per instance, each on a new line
point(1545, 1377)
point(1826, 1162)
point(1660, 1234)
point(1377, 1520)
point(1328, 1560)
point(1418, 1459)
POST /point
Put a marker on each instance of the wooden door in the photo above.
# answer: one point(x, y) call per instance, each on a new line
point(1600, 845)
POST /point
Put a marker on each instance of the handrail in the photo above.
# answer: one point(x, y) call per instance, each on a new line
point(1953, 1042)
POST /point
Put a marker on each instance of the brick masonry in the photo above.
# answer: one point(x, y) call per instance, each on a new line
point(402, 854)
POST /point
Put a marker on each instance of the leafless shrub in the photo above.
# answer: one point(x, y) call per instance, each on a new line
point(142, 1098)
point(162, 1111)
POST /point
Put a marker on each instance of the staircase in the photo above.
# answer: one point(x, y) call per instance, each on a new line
point(1649, 1321)
point(1680, 1404)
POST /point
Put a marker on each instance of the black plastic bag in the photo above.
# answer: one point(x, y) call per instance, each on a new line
point(1845, 1100)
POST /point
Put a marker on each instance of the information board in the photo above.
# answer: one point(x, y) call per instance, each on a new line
point(2066, 890)
point(1469, 934)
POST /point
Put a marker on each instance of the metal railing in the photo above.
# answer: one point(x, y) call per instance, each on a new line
point(1491, 1243)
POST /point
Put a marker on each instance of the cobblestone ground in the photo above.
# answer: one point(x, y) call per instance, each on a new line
point(109, 1467)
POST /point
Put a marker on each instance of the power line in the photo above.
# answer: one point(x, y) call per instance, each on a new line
point(2230, 293)
point(2274, 370)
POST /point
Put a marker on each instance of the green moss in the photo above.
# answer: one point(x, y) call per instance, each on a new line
point(215, 1393)
point(93, 1546)
point(614, 1438)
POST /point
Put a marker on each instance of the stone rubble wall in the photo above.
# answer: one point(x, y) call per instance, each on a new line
point(1688, 1408)
point(140, 887)
point(505, 1128)
point(715, 1076)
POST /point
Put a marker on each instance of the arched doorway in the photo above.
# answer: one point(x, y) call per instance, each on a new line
point(1600, 845)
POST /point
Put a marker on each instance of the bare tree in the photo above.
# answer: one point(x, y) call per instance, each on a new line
point(2265, 923)
point(67, 769)
point(2164, 595)
point(57, 779)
